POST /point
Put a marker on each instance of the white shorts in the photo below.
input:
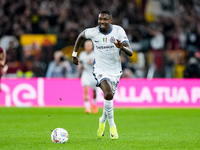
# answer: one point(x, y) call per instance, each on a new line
point(100, 75)
point(88, 80)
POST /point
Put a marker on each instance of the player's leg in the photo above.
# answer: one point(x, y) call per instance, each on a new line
point(108, 95)
point(108, 101)
point(94, 96)
point(94, 105)
point(86, 98)
point(103, 82)
point(94, 88)
point(106, 87)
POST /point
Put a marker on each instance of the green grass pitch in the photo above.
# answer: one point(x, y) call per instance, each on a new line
point(30, 128)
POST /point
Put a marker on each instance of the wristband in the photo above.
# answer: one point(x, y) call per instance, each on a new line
point(74, 54)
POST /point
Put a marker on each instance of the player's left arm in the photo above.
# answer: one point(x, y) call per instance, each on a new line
point(125, 46)
point(80, 66)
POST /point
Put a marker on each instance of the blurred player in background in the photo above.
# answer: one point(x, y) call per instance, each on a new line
point(87, 79)
point(3, 66)
point(109, 40)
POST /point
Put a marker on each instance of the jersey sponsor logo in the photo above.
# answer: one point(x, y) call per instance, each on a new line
point(96, 41)
point(104, 47)
point(112, 39)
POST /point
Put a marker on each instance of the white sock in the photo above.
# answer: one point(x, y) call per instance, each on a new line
point(108, 106)
point(87, 104)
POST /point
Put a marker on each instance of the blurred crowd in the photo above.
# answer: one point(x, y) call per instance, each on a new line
point(165, 46)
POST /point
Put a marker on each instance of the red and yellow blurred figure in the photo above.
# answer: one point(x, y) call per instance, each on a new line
point(3, 66)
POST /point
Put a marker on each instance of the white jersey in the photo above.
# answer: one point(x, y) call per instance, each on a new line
point(107, 55)
point(87, 78)
point(84, 59)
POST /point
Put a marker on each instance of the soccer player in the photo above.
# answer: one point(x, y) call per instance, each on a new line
point(3, 67)
point(108, 40)
point(86, 64)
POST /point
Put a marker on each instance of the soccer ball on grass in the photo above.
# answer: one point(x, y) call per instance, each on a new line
point(59, 135)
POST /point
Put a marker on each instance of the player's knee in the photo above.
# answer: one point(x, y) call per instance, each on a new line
point(108, 95)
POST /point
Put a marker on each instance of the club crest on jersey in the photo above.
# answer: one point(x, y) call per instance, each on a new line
point(112, 39)
point(100, 76)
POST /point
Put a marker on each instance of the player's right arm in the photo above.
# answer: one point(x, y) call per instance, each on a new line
point(78, 43)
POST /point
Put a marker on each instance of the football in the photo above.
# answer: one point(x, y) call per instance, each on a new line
point(59, 135)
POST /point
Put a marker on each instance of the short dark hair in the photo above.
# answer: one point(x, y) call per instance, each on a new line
point(106, 12)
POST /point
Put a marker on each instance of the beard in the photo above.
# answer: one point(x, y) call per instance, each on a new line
point(102, 29)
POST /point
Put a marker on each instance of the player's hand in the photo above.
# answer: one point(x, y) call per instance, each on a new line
point(90, 62)
point(118, 44)
point(75, 60)
point(1, 64)
point(4, 69)
point(80, 66)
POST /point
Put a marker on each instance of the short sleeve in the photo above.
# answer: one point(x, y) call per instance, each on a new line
point(88, 33)
point(122, 35)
